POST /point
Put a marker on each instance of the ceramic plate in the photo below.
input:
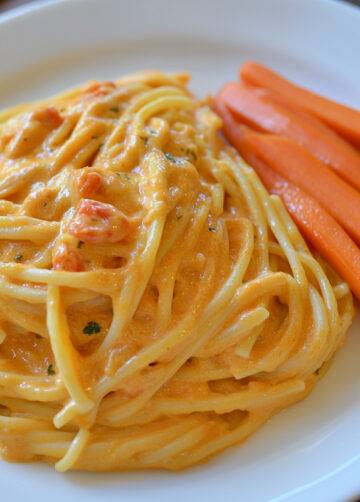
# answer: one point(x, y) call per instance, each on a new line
point(310, 452)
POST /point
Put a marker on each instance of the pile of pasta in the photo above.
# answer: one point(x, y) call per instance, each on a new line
point(157, 305)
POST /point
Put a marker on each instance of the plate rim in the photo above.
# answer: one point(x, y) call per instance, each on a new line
point(37, 5)
point(23, 11)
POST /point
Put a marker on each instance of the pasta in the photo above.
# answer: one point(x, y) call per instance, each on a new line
point(156, 304)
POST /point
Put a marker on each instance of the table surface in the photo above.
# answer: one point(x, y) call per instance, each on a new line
point(9, 4)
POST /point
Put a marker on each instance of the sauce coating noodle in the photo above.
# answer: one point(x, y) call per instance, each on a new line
point(156, 304)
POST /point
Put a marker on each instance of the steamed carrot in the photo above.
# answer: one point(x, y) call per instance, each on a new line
point(262, 111)
point(297, 165)
point(317, 226)
point(344, 119)
point(232, 129)
point(314, 222)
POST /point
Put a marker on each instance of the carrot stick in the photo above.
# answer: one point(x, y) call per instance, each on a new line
point(262, 111)
point(314, 222)
point(317, 226)
point(342, 118)
point(232, 129)
point(297, 165)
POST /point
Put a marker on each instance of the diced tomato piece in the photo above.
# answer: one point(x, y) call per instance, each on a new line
point(97, 222)
point(67, 259)
point(89, 183)
point(100, 89)
point(49, 117)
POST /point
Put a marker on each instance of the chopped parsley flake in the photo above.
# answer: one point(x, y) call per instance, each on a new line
point(126, 176)
point(91, 328)
point(170, 157)
point(50, 370)
point(317, 372)
point(143, 138)
point(79, 244)
point(179, 216)
point(19, 257)
point(212, 229)
point(152, 131)
point(114, 109)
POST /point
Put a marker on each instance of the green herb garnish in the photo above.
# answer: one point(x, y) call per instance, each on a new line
point(170, 157)
point(152, 131)
point(317, 372)
point(91, 328)
point(50, 370)
point(124, 175)
point(18, 257)
point(114, 109)
point(212, 229)
point(179, 216)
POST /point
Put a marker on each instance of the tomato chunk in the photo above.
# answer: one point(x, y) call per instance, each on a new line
point(49, 117)
point(97, 222)
point(89, 183)
point(67, 259)
point(100, 89)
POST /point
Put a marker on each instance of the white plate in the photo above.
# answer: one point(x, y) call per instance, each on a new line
point(311, 451)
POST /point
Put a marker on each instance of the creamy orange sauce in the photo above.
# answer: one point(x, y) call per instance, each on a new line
point(154, 308)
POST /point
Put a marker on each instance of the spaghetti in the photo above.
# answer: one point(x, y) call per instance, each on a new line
point(156, 304)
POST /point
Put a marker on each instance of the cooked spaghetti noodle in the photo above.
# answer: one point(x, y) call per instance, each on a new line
point(156, 304)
